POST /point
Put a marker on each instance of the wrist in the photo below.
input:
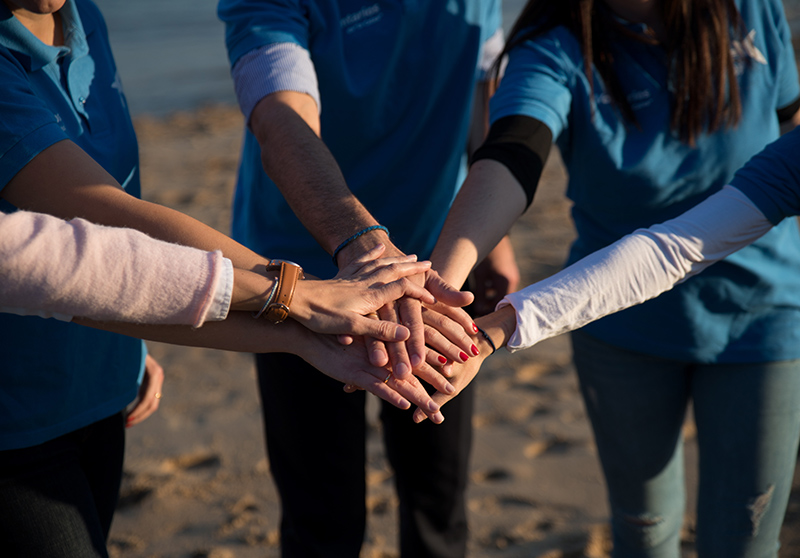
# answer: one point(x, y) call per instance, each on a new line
point(499, 326)
point(251, 289)
point(358, 243)
point(277, 306)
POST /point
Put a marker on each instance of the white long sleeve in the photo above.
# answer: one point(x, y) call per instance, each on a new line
point(636, 268)
point(55, 268)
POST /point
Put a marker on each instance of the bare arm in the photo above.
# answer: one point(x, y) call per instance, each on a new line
point(286, 125)
point(241, 333)
point(66, 182)
point(490, 201)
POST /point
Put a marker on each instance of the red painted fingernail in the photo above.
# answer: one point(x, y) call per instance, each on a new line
point(474, 328)
point(442, 359)
point(464, 356)
point(475, 350)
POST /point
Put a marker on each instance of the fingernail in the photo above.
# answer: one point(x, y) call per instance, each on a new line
point(464, 356)
point(442, 359)
point(416, 360)
point(449, 389)
point(438, 418)
point(475, 350)
point(400, 333)
point(433, 407)
point(378, 357)
point(474, 328)
point(401, 369)
point(418, 417)
point(412, 257)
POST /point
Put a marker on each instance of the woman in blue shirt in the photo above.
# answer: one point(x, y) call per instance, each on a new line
point(653, 106)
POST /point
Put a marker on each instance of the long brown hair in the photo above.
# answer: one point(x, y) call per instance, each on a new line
point(705, 92)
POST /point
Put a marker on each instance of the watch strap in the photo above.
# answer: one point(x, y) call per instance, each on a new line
point(289, 274)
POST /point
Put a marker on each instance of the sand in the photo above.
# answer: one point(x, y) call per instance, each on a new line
point(197, 483)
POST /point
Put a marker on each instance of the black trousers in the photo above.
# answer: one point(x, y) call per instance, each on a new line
point(57, 499)
point(316, 436)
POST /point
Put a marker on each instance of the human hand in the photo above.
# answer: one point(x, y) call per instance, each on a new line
point(442, 325)
point(341, 305)
point(407, 312)
point(149, 396)
point(499, 327)
point(350, 364)
point(494, 277)
point(460, 376)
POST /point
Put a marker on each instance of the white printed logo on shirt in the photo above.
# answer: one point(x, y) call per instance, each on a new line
point(366, 16)
point(744, 49)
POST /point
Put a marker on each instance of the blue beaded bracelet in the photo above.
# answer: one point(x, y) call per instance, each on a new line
point(352, 238)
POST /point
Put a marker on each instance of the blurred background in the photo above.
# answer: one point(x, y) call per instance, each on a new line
point(171, 54)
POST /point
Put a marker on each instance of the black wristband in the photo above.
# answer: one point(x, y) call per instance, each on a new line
point(787, 113)
point(488, 339)
point(521, 144)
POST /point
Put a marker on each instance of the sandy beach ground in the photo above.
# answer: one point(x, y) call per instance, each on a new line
point(197, 483)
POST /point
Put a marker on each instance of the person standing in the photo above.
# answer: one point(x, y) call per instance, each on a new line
point(654, 105)
point(358, 120)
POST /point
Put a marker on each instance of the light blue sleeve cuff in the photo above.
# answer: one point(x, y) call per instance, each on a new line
point(272, 68)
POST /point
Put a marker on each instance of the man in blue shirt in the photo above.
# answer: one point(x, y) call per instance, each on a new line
point(358, 119)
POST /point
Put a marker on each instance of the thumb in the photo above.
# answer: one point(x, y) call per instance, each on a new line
point(446, 293)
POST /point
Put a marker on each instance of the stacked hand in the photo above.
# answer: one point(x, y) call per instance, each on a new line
point(411, 328)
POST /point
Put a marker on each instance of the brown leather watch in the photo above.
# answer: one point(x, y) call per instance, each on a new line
point(289, 274)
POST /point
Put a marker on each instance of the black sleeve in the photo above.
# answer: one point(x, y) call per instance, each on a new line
point(521, 144)
point(786, 113)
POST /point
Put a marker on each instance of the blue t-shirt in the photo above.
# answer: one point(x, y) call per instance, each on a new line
point(771, 179)
point(744, 309)
point(396, 81)
point(55, 376)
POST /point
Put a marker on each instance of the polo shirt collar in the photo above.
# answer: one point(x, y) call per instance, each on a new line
point(34, 53)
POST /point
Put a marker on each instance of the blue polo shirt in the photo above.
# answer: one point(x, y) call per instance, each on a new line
point(745, 309)
point(396, 81)
point(56, 377)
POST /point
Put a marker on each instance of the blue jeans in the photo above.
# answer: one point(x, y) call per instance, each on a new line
point(57, 499)
point(748, 424)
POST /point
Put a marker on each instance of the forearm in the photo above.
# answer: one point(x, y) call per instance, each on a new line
point(65, 182)
point(297, 160)
point(239, 332)
point(52, 267)
point(489, 202)
point(499, 327)
point(636, 268)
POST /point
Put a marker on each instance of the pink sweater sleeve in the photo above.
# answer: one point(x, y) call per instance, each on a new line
point(55, 268)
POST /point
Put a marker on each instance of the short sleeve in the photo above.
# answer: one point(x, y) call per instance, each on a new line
point(27, 126)
point(250, 24)
point(538, 80)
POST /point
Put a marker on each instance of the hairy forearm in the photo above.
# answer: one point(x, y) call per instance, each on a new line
point(297, 160)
